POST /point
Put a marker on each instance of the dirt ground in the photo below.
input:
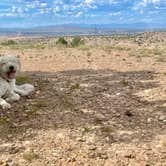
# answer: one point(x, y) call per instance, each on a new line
point(92, 108)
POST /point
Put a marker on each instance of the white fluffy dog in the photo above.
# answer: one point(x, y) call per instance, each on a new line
point(9, 91)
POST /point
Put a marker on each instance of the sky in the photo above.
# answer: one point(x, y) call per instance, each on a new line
point(31, 13)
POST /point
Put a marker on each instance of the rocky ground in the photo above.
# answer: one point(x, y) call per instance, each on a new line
point(107, 110)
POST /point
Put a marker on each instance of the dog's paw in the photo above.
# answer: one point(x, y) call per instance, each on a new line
point(17, 97)
point(6, 106)
point(13, 97)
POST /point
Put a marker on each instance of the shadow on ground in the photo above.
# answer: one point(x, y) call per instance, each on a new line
point(102, 102)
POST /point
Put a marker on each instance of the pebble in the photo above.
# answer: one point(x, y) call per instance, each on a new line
point(129, 156)
point(162, 118)
point(92, 147)
point(27, 111)
point(71, 159)
point(149, 120)
point(80, 139)
point(84, 85)
point(102, 155)
point(117, 94)
point(9, 162)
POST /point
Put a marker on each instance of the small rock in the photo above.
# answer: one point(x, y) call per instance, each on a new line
point(71, 159)
point(80, 139)
point(9, 162)
point(84, 85)
point(100, 117)
point(61, 135)
point(162, 118)
point(106, 95)
point(102, 155)
point(129, 156)
point(38, 92)
point(85, 110)
point(27, 111)
point(92, 155)
point(149, 120)
point(118, 115)
point(128, 113)
point(92, 147)
point(117, 94)
point(13, 149)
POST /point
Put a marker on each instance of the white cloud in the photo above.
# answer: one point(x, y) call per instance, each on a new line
point(36, 4)
point(13, 9)
point(20, 10)
point(113, 1)
point(140, 5)
point(66, 7)
point(144, 3)
point(17, 10)
point(43, 4)
point(155, 1)
point(7, 14)
point(79, 14)
point(89, 1)
point(45, 10)
point(56, 9)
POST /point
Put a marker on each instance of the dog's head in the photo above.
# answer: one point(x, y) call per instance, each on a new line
point(9, 66)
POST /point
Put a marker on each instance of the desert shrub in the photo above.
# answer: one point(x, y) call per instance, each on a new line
point(39, 46)
point(77, 41)
point(30, 156)
point(23, 79)
point(62, 41)
point(84, 47)
point(9, 42)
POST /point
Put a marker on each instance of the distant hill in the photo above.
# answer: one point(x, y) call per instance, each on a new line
point(75, 29)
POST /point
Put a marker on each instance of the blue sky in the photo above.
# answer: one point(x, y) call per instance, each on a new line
point(30, 13)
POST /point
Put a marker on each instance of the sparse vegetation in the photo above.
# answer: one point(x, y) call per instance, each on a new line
point(77, 41)
point(61, 41)
point(30, 156)
point(106, 129)
point(75, 86)
point(23, 80)
point(125, 82)
point(33, 111)
point(19, 45)
point(9, 43)
point(84, 47)
point(4, 120)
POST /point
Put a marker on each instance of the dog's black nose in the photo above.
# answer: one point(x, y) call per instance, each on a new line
point(11, 68)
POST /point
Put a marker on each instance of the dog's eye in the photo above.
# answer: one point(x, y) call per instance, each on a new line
point(3, 63)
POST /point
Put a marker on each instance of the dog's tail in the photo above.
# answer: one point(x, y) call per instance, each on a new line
point(24, 90)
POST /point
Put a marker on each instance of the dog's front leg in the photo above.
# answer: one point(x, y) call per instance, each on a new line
point(13, 97)
point(4, 104)
point(24, 90)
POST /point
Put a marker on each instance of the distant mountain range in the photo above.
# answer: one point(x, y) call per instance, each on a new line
point(84, 29)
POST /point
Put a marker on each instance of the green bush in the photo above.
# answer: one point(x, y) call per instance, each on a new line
point(62, 41)
point(9, 42)
point(77, 41)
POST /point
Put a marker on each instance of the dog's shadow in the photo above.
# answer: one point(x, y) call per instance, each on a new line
point(84, 99)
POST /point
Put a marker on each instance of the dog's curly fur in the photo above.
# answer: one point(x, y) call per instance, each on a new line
point(9, 91)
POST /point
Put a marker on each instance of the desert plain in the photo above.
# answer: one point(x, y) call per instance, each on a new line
point(99, 101)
